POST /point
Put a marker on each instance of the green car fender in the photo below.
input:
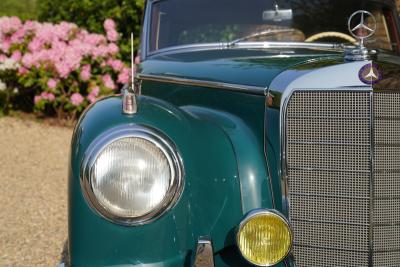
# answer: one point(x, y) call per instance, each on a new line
point(256, 189)
point(218, 188)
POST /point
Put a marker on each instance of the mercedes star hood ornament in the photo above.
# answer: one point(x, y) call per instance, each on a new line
point(366, 26)
point(362, 25)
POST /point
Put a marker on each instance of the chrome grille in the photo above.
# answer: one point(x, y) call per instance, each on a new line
point(386, 214)
point(342, 163)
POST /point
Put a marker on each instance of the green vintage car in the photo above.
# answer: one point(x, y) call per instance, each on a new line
point(256, 133)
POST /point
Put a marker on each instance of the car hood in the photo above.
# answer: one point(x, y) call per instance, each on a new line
point(233, 66)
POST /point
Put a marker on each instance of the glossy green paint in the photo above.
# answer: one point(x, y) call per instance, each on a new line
point(241, 117)
point(221, 137)
point(237, 66)
point(210, 203)
point(224, 108)
point(254, 178)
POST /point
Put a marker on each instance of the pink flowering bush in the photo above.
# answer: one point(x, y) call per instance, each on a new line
point(62, 67)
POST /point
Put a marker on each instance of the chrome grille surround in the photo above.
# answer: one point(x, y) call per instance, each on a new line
point(343, 205)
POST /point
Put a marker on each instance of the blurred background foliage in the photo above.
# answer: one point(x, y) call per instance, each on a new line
point(24, 9)
point(48, 91)
point(88, 14)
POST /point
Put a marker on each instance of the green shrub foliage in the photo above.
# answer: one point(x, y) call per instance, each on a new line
point(90, 14)
point(24, 9)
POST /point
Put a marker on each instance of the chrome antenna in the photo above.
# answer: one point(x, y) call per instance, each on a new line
point(129, 104)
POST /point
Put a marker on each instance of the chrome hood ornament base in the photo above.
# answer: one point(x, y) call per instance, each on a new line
point(361, 29)
point(129, 104)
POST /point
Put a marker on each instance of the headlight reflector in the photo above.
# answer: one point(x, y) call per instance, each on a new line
point(264, 238)
point(132, 175)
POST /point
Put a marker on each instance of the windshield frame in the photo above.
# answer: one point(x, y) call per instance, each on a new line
point(146, 27)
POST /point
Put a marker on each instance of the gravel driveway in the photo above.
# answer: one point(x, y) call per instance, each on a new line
point(33, 192)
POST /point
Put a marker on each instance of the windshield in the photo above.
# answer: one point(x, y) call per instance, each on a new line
point(185, 22)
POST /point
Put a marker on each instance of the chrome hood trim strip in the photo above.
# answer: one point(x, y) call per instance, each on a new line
point(246, 45)
point(248, 89)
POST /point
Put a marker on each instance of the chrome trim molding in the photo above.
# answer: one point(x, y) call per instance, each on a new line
point(269, 176)
point(186, 48)
point(255, 90)
point(244, 45)
point(257, 212)
point(322, 46)
point(160, 141)
point(204, 253)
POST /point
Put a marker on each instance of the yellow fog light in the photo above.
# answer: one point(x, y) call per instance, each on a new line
point(264, 238)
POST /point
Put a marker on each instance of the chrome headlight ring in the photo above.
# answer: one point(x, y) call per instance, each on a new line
point(148, 134)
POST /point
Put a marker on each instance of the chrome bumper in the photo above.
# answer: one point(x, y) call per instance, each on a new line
point(204, 253)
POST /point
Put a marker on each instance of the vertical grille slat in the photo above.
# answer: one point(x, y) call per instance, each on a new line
point(342, 158)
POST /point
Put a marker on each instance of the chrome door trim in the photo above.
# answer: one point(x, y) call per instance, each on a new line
point(255, 90)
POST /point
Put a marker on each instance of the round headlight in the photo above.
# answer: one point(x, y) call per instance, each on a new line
point(132, 175)
point(264, 238)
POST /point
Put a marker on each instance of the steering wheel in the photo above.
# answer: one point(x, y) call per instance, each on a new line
point(339, 35)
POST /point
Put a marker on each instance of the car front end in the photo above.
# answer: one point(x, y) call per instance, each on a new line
point(235, 150)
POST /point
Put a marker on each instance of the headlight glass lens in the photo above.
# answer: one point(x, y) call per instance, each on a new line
point(264, 239)
point(131, 177)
